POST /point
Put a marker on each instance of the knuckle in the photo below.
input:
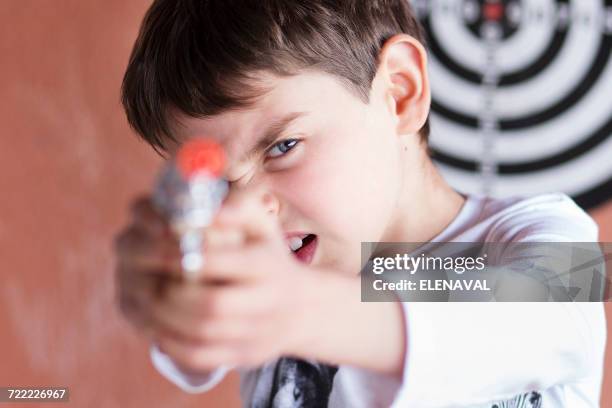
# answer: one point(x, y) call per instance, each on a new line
point(125, 277)
point(212, 305)
point(144, 289)
point(140, 203)
point(131, 310)
point(126, 304)
point(217, 305)
point(202, 331)
point(267, 305)
point(146, 215)
point(241, 330)
point(126, 281)
point(121, 238)
point(130, 239)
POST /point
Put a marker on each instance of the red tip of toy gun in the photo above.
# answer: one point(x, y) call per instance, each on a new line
point(201, 155)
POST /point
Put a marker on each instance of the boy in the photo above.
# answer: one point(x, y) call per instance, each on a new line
point(322, 109)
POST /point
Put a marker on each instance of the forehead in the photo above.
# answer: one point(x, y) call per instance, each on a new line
point(313, 94)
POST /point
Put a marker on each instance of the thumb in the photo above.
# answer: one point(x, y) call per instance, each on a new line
point(253, 210)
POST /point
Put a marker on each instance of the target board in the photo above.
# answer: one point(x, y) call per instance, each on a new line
point(522, 95)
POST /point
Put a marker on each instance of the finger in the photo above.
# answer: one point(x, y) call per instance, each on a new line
point(225, 256)
point(223, 237)
point(198, 329)
point(217, 301)
point(147, 216)
point(169, 318)
point(247, 209)
point(234, 265)
point(143, 254)
point(132, 239)
point(137, 250)
point(135, 294)
point(205, 315)
point(144, 306)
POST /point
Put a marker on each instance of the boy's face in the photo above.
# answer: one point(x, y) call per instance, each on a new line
point(335, 168)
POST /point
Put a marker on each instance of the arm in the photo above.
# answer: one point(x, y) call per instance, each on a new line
point(479, 352)
point(491, 351)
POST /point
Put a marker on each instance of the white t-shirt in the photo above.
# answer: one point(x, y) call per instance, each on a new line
point(512, 354)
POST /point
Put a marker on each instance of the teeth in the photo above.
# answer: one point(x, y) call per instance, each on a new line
point(295, 243)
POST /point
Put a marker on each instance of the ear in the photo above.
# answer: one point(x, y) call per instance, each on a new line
point(403, 81)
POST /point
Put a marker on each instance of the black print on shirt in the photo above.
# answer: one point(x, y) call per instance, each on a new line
point(529, 400)
point(298, 384)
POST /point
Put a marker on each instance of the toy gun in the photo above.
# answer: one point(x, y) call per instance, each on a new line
point(189, 192)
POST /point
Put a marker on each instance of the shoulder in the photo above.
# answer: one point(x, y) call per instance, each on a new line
point(547, 217)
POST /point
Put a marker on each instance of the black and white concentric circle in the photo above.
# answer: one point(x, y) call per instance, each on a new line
point(522, 95)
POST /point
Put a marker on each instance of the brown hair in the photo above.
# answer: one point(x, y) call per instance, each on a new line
point(199, 56)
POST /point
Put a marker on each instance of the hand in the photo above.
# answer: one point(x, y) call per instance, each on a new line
point(253, 302)
point(245, 309)
point(144, 249)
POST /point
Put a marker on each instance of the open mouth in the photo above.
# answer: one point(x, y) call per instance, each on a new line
point(303, 247)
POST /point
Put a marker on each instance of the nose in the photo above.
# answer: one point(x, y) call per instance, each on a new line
point(258, 184)
point(271, 203)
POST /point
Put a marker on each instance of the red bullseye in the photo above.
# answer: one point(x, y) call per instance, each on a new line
point(201, 155)
point(493, 11)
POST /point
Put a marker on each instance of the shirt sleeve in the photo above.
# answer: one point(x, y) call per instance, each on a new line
point(463, 354)
point(466, 354)
point(187, 382)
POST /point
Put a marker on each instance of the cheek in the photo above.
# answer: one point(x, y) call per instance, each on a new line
point(344, 188)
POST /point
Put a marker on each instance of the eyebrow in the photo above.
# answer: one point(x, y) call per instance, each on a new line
point(274, 130)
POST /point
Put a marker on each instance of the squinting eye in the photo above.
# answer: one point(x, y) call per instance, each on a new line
point(281, 148)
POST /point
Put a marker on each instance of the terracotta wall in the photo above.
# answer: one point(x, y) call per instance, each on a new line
point(69, 167)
